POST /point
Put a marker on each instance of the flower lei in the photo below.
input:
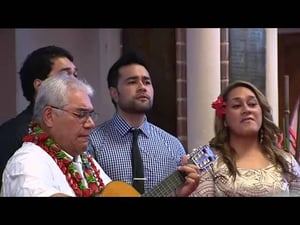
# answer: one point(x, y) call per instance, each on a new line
point(220, 106)
point(65, 163)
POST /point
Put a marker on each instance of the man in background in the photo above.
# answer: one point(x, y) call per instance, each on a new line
point(38, 65)
point(131, 91)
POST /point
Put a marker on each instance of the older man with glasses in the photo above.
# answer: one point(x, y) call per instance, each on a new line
point(52, 160)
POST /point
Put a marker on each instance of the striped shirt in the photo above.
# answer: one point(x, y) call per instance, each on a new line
point(110, 144)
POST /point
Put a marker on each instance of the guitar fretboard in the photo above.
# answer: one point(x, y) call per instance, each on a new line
point(202, 156)
point(168, 185)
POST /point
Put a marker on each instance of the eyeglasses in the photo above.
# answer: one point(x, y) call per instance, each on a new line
point(82, 115)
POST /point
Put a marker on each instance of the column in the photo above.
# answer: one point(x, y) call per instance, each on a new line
point(203, 83)
point(272, 70)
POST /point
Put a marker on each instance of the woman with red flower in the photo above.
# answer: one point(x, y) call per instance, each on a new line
point(249, 163)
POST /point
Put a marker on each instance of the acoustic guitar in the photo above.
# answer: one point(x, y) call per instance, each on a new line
point(202, 156)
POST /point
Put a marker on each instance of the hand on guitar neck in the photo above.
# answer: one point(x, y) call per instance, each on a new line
point(185, 180)
point(191, 174)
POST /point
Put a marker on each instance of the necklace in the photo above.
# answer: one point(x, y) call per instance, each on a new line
point(65, 163)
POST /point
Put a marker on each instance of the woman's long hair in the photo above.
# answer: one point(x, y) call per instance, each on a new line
point(267, 135)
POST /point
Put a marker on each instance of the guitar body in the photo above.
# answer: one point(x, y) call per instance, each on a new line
point(119, 189)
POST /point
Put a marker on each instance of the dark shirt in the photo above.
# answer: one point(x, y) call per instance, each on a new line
point(11, 135)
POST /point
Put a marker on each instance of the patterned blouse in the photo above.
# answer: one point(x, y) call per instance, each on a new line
point(269, 181)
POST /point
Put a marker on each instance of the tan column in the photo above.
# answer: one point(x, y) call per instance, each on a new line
point(272, 70)
point(203, 83)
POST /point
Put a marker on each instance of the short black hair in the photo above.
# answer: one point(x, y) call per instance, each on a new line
point(38, 65)
point(128, 58)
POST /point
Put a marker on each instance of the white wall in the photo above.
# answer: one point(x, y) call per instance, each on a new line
point(94, 51)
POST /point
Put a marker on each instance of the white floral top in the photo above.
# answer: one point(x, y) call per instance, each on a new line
point(269, 181)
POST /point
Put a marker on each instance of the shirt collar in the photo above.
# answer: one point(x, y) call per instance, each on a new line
point(123, 127)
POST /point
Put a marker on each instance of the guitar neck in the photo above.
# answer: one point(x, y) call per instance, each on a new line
point(202, 156)
point(164, 188)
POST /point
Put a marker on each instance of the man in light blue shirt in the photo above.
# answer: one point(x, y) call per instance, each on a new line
point(131, 91)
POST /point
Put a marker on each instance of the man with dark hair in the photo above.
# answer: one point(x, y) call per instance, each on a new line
point(40, 64)
point(131, 91)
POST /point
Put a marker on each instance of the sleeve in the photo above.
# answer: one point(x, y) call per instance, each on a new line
point(180, 152)
point(206, 186)
point(295, 180)
point(28, 178)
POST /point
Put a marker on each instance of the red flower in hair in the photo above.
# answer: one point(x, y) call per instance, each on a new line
point(220, 106)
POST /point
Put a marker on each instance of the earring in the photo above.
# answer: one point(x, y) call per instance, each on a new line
point(261, 136)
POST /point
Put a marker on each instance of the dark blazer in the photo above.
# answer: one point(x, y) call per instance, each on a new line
point(11, 135)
